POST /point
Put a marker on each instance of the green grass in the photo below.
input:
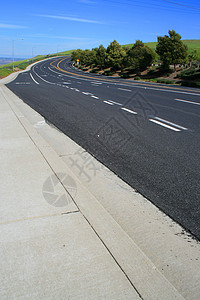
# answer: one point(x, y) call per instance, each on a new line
point(11, 64)
point(5, 72)
point(191, 44)
point(69, 52)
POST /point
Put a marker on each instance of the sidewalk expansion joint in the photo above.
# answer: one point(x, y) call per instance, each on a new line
point(70, 212)
point(37, 217)
point(113, 257)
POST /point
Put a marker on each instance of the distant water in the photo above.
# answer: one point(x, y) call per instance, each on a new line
point(5, 60)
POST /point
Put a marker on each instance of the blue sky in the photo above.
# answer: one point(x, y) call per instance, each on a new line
point(51, 26)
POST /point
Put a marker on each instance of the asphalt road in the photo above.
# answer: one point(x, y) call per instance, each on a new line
point(148, 134)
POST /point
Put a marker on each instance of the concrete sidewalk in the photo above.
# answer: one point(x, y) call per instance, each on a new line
point(58, 240)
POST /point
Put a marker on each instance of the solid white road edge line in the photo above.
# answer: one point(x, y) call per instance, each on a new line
point(164, 125)
point(33, 79)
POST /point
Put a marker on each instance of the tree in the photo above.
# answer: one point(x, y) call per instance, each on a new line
point(100, 58)
point(115, 55)
point(86, 57)
point(76, 55)
point(193, 56)
point(171, 49)
point(139, 57)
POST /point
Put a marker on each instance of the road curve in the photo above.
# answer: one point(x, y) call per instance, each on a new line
point(148, 134)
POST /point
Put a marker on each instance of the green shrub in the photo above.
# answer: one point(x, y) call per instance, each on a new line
point(125, 75)
point(108, 73)
point(166, 81)
point(195, 84)
point(153, 80)
point(187, 72)
point(194, 76)
point(165, 69)
point(137, 78)
point(94, 71)
point(152, 72)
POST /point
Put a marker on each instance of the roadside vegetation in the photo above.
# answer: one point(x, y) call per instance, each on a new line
point(115, 59)
point(168, 61)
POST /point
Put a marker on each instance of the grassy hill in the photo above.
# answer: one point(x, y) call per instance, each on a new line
point(7, 69)
point(191, 44)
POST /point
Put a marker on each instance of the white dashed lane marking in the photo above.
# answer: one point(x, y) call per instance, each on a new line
point(124, 90)
point(129, 110)
point(96, 82)
point(117, 103)
point(170, 123)
point(86, 93)
point(164, 125)
point(107, 102)
point(22, 83)
point(186, 101)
